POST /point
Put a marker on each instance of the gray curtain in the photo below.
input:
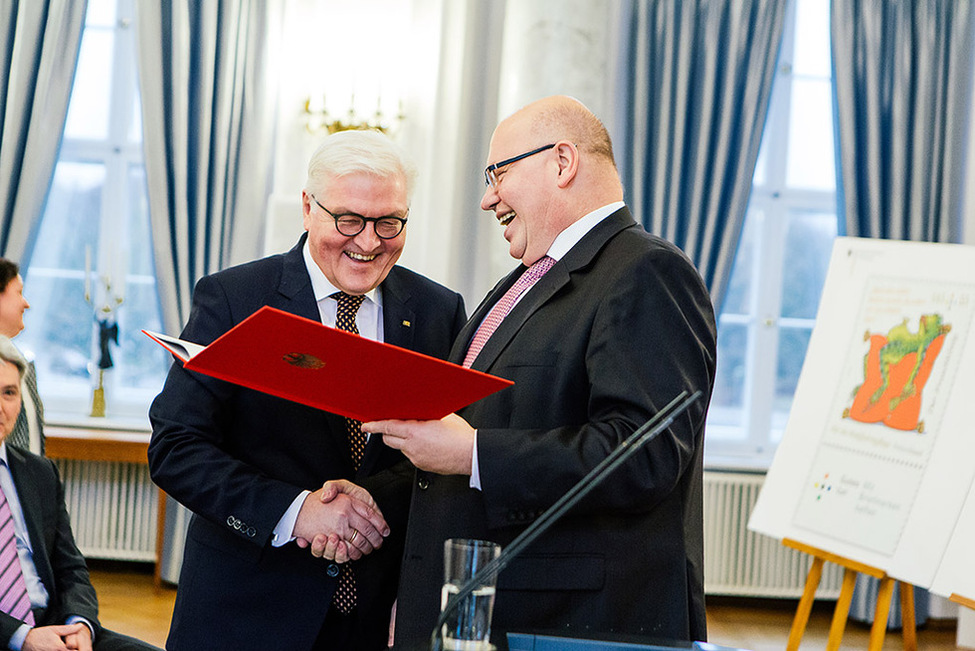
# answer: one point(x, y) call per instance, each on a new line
point(695, 103)
point(902, 77)
point(39, 45)
point(208, 119)
point(208, 114)
point(902, 81)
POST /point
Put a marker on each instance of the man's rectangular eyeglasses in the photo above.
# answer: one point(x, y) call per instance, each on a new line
point(491, 171)
point(351, 224)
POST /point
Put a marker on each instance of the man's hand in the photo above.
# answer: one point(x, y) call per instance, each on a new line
point(333, 510)
point(80, 640)
point(331, 547)
point(333, 488)
point(444, 446)
point(58, 638)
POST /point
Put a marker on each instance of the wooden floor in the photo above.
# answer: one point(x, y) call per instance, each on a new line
point(763, 625)
point(131, 605)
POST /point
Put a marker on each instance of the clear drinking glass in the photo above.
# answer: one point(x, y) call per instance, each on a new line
point(469, 625)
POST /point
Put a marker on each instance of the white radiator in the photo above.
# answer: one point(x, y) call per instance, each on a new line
point(113, 515)
point(742, 563)
point(112, 507)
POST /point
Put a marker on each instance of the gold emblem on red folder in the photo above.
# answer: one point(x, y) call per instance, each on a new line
point(302, 360)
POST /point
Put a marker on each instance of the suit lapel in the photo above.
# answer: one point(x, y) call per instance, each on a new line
point(32, 508)
point(578, 257)
point(539, 294)
point(459, 350)
point(399, 324)
point(294, 292)
point(399, 319)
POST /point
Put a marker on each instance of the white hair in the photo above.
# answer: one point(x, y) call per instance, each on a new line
point(359, 151)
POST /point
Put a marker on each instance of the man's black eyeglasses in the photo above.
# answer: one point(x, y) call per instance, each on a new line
point(351, 224)
point(491, 171)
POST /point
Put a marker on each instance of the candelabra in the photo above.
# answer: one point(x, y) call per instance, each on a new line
point(318, 117)
point(104, 311)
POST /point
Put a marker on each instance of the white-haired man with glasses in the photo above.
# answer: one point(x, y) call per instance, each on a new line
point(251, 466)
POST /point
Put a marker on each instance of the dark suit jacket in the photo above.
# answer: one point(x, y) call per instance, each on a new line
point(237, 458)
point(615, 330)
point(60, 565)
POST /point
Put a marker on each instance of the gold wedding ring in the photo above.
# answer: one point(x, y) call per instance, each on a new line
point(355, 532)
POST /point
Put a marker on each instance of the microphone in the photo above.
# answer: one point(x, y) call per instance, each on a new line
point(643, 435)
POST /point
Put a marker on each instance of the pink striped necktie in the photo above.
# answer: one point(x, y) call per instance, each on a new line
point(13, 591)
point(502, 307)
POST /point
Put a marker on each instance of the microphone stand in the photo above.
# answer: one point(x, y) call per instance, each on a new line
point(646, 433)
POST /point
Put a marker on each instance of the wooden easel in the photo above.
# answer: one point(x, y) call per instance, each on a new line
point(842, 610)
point(964, 601)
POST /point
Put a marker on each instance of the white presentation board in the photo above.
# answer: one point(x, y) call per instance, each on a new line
point(878, 454)
point(956, 574)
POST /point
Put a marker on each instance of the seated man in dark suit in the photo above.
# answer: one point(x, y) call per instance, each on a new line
point(46, 597)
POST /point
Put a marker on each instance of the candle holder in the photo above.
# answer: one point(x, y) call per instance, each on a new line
point(105, 318)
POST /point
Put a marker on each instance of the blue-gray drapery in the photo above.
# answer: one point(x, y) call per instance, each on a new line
point(39, 45)
point(208, 118)
point(901, 73)
point(901, 76)
point(695, 104)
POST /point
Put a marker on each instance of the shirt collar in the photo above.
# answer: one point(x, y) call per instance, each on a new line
point(321, 285)
point(578, 229)
point(3, 453)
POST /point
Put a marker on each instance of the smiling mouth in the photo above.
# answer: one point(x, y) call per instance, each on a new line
point(360, 257)
point(506, 218)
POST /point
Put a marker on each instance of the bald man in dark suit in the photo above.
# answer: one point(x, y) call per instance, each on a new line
point(617, 325)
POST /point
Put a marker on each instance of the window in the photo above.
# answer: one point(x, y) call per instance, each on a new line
point(783, 255)
point(96, 220)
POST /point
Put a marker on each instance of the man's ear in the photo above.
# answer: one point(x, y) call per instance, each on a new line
point(306, 209)
point(568, 158)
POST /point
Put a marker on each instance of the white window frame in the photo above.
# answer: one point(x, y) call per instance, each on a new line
point(750, 444)
point(69, 401)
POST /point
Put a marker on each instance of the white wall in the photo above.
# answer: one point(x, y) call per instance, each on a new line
point(460, 65)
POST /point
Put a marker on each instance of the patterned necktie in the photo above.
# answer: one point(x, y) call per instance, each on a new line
point(502, 307)
point(348, 306)
point(13, 591)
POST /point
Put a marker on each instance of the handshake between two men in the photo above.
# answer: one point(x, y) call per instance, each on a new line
point(341, 522)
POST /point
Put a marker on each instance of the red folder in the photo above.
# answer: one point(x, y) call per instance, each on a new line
point(303, 360)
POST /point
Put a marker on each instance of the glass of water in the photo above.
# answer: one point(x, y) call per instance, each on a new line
point(469, 625)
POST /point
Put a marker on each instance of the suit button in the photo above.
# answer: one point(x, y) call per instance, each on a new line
point(251, 532)
point(232, 521)
point(423, 483)
point(332, 570)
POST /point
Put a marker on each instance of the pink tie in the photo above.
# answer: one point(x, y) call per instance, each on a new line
point(502, 307)
point(13, 591)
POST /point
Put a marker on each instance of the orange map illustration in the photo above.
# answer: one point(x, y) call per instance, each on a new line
point(895, 370)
